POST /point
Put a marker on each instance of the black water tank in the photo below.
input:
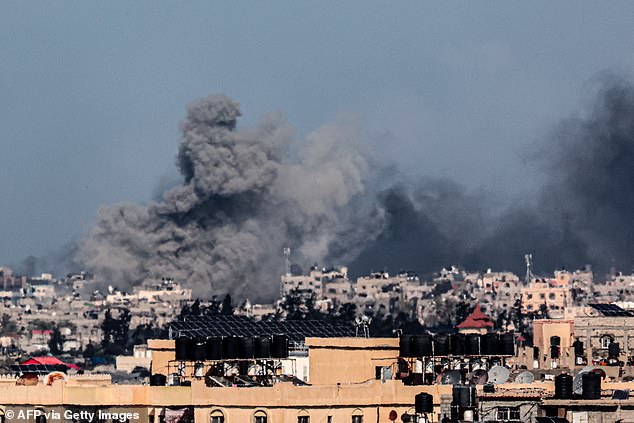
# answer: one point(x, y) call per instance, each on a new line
point(214, 348)
point(404, 346)
point(158, 379)
point(422, 346)
point(279, 346)
point(555, 340)
point(472, 344)
point(424, 403)
point(578, 346)
point(591, 386)
point(554, 351)
point(457, 344)
point(489, 344)
point(246, 347)
point(181, 348)
point(262, 347)
point(464, 395)
point(230, 348)
point(614, 350)
point(488, 388)
point(198, 349)
point(507, 344)
point(563, 386)
point(441, 345)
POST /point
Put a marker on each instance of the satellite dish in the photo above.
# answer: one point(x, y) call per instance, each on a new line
point(525, 377)
point(478, 377)
point(577, 382)
point(498, 374)
point(450, 377)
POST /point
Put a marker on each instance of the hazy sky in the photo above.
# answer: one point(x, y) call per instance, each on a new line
point(91, 93)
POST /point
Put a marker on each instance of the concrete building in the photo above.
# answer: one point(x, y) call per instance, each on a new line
point(542, 294)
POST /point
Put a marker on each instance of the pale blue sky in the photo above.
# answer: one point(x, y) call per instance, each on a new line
point(91, 93)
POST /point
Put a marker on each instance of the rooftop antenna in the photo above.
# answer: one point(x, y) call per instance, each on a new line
point(287, 260)
point(528, 258)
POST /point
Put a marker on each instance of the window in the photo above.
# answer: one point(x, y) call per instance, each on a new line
point(529, 296)
point(542, 296)
point(551, 296)
point(217, 416)
point(329, 419)
point(303, 417)
point(606, 340)
point(259, 417)
point(357, 419)
point(508, 413)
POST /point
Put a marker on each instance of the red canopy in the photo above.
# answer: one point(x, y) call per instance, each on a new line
point(50, 360)
point(476, 320)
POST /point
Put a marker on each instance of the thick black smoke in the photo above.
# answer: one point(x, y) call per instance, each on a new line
point(584, 214)
point(243, 199)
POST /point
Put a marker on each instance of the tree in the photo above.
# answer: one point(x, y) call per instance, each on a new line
point(89, 351)
point(115, 332)
point(7, 326)
point(56, 343)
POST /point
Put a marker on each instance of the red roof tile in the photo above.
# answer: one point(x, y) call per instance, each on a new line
point(476, 320)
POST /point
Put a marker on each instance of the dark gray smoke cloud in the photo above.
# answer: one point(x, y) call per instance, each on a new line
point(584, 213)
point(242, 200)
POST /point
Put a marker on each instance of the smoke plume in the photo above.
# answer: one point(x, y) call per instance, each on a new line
point(582, 215)
point(244, 198)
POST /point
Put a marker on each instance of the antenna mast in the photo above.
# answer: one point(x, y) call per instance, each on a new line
point(528, 258)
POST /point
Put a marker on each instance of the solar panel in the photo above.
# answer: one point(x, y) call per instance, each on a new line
point(621, 394)
point(612, 310)
point(551, 420)
point(221, 325)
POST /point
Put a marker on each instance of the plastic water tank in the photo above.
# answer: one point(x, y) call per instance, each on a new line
point(457, 344)
point(214, 348)
point(507, 344)
point(404, 346)
point(563, 386)
point(158, 379)
point(464, 395)
point(555, 340)
point(472, 344)
point(262, 347)
point(246, 347)
point(230, 348)
point(614, 350)
point(279, 346)
point(197, 349)
point(441, 345)
point(181, 348)
point(424, 403)
point(422, 346)
point(578, 346)
point(489, 344)
point(591, 386)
